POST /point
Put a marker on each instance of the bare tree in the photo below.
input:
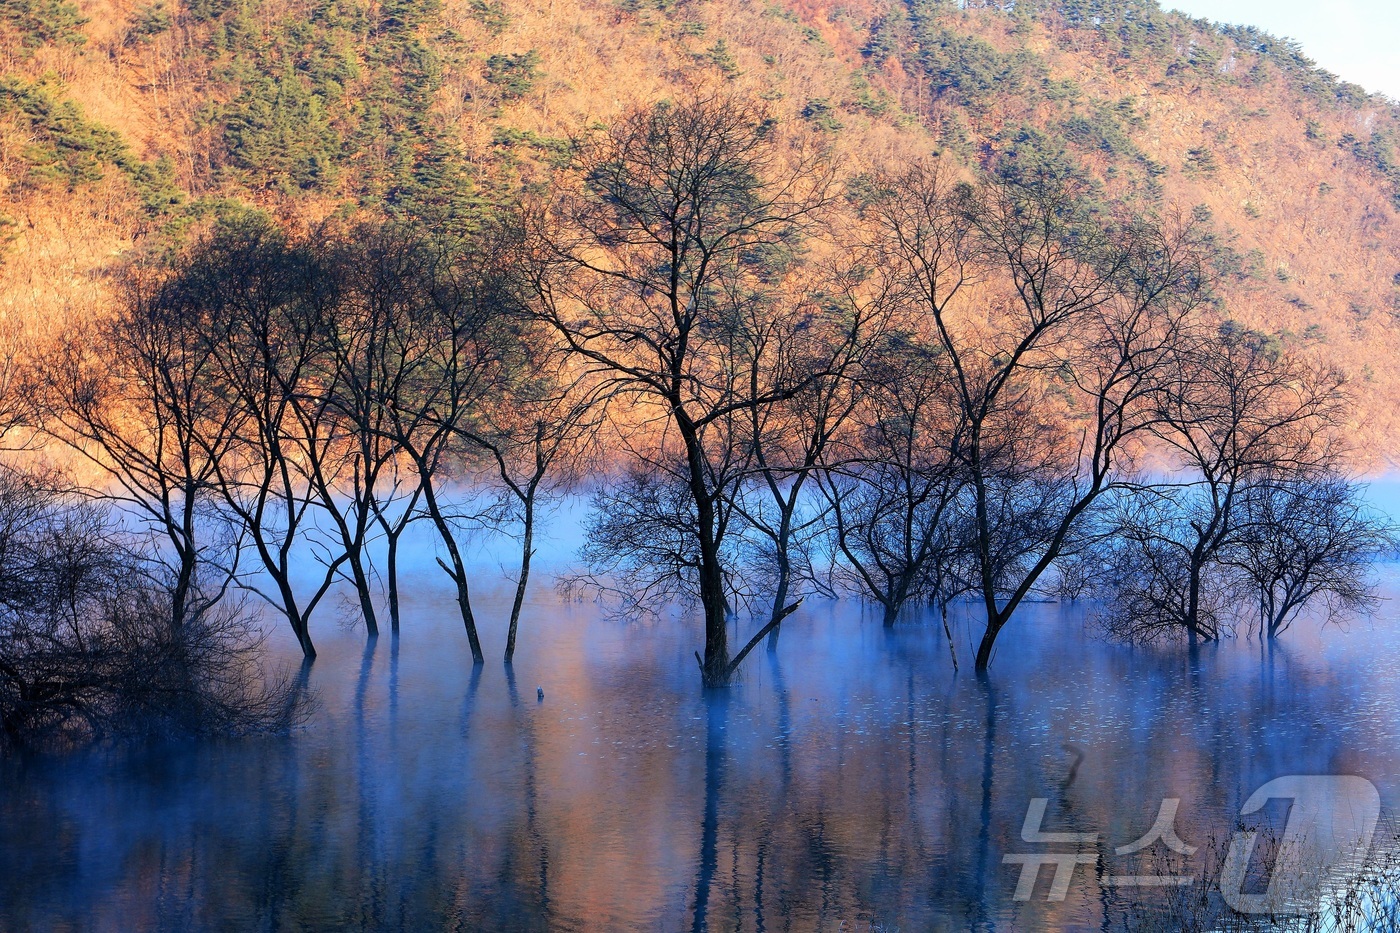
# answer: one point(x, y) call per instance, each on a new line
point(537, 434)
point(1163, 575)
point(1234, 412)
point(88, 648)
point(791, 440)
point(667, 236)
point(894, 488)
point(1308, 538)
point(1055, 322)
point(447, 339)
point(265, 301)
point(378, 271)
point(138, 396)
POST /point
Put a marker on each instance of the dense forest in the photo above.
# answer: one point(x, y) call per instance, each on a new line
point(913, 303)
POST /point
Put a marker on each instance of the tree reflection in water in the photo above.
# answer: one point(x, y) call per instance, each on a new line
point(850, 777)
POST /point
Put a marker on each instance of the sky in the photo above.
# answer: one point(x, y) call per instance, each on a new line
point(1358, 40)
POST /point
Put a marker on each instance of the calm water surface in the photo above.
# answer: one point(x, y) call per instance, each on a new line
point(851, 781)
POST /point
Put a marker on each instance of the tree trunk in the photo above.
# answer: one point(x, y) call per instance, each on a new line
point(984, 648)
point(1193, 601)
point(391, 570)
point(526, 552)
point(362, 590)
point(714, 669)
point(303, 633)
point(780, 595)
point(948, 633)
point(458, 571)
point(393, 532)
point(464, 602)
point(184, 586)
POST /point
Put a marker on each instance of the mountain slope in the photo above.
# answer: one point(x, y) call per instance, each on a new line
point(122, 124)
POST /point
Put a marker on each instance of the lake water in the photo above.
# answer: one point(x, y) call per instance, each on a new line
point(850, 781)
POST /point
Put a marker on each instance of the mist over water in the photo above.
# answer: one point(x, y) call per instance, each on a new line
point(850, 777)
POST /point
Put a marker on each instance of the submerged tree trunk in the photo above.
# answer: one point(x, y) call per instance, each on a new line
point(714, 666)
point(1206, 544)
point(391, 572)
point(984, 648)
point(303, 633)
point(360, 577)
point(458, 574)
point(714, 669)
point(527, 550)
point(393, 531)
point(780, 594)
point(948, 633)
point(457, 571)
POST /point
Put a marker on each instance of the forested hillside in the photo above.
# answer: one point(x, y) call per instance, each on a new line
point(125, 126)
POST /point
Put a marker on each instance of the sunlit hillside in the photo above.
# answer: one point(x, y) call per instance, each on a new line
point(123, 126)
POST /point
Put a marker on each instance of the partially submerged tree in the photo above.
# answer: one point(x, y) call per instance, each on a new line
point(538, 435)
point(90, 649)
point(1308, 539)
point(1157, 575)
point(1234, 412)
point(266, 301)
point(380, 270)
point(299, 396)
point(788, 441)
point(665, 244)
point(893, 485)
point(1056, 323)
point(138, 395)
point(446, 338)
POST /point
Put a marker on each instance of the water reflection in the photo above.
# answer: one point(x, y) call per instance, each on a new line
point(851, 778)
